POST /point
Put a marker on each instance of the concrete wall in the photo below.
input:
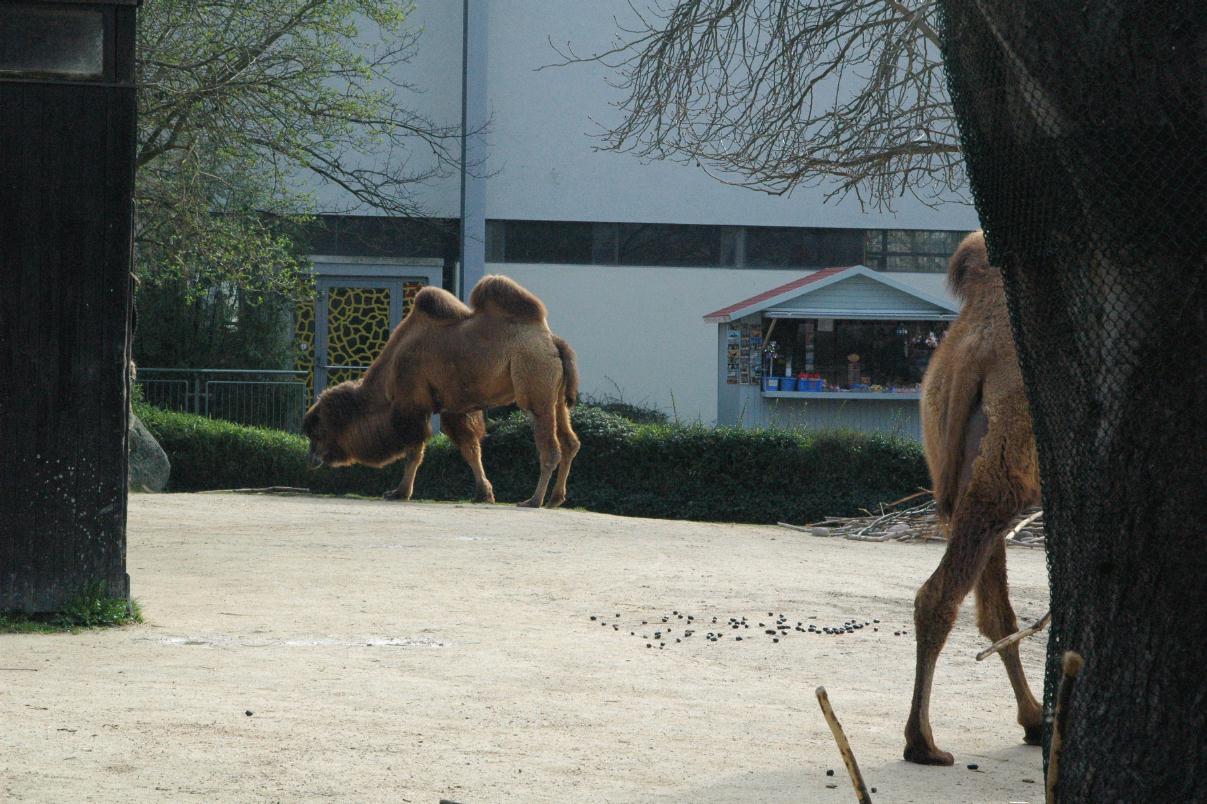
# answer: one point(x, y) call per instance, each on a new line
point(642, 329)
point(541, 160)
point(433, 77)
point(542, 144)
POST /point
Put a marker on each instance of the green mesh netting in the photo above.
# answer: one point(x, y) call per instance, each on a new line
point(1085, 133)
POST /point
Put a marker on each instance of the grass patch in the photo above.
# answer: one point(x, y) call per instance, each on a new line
point(90, 608)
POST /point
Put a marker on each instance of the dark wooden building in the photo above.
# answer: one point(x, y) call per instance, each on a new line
point(67, 135)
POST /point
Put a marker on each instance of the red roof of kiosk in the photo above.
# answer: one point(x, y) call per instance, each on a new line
point(771, 294)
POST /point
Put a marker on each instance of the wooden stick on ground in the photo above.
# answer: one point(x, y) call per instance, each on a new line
point(1024, 523)
point(844, 747)
point(1070, 665)
point(264, 490)
point(1017, 636)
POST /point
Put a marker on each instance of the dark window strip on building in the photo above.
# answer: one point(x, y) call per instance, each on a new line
point(584, 243)
point(920, 251)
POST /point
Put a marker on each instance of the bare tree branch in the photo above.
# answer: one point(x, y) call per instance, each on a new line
point(777, 94)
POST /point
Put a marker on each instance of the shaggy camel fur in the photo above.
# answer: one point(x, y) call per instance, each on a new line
point(450, 359)
point(976, 429)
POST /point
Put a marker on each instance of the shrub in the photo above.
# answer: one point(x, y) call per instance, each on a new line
point(634, 413)
point(655, 470)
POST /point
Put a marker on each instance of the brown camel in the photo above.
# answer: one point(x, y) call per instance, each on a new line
point(450, 359)
point(976, 428)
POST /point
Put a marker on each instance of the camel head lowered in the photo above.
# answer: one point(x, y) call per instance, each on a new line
point(349, 424)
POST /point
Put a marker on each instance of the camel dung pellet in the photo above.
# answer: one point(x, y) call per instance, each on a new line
point(830, 772)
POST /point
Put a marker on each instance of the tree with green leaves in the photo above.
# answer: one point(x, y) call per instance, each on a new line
point(245, 106)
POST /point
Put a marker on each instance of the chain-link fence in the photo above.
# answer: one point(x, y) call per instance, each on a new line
point(1085, 132)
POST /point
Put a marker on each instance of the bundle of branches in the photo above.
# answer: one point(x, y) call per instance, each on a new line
point(915, 518)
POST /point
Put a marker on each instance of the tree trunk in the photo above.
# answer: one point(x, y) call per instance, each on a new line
point(66, 178)
point(1085, 131)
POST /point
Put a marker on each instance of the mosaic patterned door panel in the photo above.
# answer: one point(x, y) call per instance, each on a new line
point(345, 328)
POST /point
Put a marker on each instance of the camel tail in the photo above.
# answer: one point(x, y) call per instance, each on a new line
point(569, 370)
point(501, 294)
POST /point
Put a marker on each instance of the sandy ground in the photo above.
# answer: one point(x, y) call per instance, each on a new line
point(301, 649)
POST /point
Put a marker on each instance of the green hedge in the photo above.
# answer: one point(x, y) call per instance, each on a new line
point(655, 470)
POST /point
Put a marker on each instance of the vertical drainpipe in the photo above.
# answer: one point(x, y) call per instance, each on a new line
point(473, 145)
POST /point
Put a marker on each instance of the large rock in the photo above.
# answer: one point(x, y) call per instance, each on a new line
point(149, 466)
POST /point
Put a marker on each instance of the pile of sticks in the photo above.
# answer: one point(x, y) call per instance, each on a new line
point(914, 518)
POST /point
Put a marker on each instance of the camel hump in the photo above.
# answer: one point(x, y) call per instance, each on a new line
point(968, 266)
point(506, 297)
point(441, 305)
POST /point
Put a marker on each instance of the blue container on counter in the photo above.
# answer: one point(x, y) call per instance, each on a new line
point(787, 383)
point(771, 383)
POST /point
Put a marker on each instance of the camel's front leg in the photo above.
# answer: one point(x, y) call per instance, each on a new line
point(467, 432)
point(407, 486)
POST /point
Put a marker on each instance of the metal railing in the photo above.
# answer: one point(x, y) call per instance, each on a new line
point(261, 398)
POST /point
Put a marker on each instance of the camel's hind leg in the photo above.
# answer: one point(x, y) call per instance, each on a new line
point(467, 431)
point(995, 617)
point(981, 515)
point(569, 444)
point(407, 485)
point(544, 430)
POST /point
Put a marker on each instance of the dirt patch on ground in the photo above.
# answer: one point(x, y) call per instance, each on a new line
point(303, 648)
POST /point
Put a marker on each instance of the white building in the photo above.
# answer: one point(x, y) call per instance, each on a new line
point(628, 256)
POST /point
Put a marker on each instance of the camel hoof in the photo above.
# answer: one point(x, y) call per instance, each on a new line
point(927, 755)
point(393, 494)
point(531, 502)
point(484, 498)
point(1033, 735)
point(555, 502)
